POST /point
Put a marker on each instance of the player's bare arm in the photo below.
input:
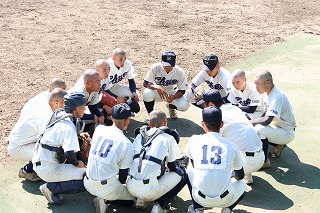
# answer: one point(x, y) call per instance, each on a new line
point(135, 96)
point(264, 121)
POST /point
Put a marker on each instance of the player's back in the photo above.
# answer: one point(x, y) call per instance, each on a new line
point(110, 151)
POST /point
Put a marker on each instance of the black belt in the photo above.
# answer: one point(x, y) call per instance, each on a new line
point(103, 182)
point(38, 163)
point(147, 181)
point(221, 196)
point(251, 154)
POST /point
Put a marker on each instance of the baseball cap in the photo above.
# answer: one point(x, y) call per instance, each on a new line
point(210, 62)
point(210, 96)
point(212, 115)
point(73, 100)
point(168, 58)
point(121, 111)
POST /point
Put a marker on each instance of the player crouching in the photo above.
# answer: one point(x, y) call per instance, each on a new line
point(61, 134)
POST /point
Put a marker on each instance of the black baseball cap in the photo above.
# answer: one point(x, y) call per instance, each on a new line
point(121, 111)
point(210, 62)
point(168, 58)
point(212, 115)
point(210, 96)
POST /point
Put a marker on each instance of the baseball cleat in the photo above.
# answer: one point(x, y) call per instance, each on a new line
point(46, 192)
point(173, 113)
point(248, 179)
point(29, 176)
point(158, 209)
point(226, 210)
point(266, 164)
point(192, 210)
point(100, 205)
point(277, 151)
point(141, 204)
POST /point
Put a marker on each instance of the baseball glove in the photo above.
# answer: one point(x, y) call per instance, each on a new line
point(108, 99)
point(84, 150)
point(198, 94)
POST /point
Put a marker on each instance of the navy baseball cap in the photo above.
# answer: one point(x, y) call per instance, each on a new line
point(210, 96)
point(168, 59)
point(121, 111)
point(212, 115)
point(210, 62)
point(73, 100)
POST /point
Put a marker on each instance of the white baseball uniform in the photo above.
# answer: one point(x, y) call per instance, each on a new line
point(38, 101)
point(92, 98)
point(220, 82)
point(45, 163)
point(171, 82)
point(281, 130)
point(117, 75)
point(110, 151)
point(213, 159)
point(146, 184)
point(239, 130)
point(249, 97)
point(26, 131)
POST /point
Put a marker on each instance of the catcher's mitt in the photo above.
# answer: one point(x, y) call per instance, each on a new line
point(108, 99)
point(84, 150)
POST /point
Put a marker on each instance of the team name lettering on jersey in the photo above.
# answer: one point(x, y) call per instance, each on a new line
point(214, 86)
point(162, 81)
point(115, 79)
point(103, 86)
point(243, 102)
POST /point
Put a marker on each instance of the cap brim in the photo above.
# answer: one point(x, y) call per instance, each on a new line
point(207, 67)
point(168, 64)
point(200, 102)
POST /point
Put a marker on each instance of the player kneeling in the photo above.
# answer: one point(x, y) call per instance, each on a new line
point(111, 154)
point(149, 181)
point(61, 134)
point(212, 158)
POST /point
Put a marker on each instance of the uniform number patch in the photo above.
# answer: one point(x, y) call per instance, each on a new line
point(214, 155)
point(103, 148)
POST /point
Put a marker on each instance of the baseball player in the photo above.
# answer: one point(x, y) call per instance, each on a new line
point(25, 133)
point(121, 68)
point(277, 125)
point(61, 178)
point(239, 130)
point(103, 68)
point(154, 150)
point(216, 77)
point(166, 81)
point(42, 98)
point(245, 95)
point(213, 158)
point(110, 155)
point(89, 85)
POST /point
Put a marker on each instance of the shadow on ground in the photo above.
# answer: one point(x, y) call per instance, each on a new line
point(262, 196)
point(289, 170)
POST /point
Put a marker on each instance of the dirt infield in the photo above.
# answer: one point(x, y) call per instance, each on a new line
point(42, 39)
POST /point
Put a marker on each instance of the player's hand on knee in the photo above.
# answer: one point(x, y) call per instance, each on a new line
point(81, 164)
point(170, 98)
point(162, 93)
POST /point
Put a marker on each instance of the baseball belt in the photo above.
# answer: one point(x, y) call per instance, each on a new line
point(221, 196)
point(103, 182)
point(147, 181)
